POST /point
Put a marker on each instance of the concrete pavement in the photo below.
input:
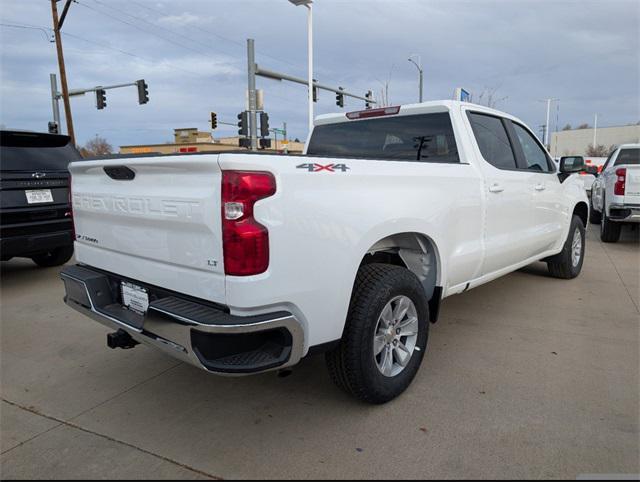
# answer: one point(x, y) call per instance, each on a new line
point(527, 376)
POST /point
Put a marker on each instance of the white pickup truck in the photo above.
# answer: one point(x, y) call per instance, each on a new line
point(242, 263)
point(615, 198)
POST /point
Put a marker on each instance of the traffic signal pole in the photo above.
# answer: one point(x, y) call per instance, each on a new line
point(253, 118)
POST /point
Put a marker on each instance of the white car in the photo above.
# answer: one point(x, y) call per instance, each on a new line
point(615, 197)
point(246, 262)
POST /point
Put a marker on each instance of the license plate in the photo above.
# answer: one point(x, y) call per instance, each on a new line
point(39, 196)
point(134, 297)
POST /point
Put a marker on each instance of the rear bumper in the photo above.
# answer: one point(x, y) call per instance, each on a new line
point(624, 213)
point(32, 244)
point(190, 330)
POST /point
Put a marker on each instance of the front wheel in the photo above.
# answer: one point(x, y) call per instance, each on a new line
point(385, 335)
point(55, 257)
point(568, 263)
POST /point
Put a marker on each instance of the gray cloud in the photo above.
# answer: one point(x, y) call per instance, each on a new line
point(193, 57)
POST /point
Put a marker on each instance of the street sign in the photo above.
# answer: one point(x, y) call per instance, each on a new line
point(462, 95)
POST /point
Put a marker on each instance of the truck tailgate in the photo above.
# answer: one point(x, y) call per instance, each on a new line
point(632, 187)
point(162, 227)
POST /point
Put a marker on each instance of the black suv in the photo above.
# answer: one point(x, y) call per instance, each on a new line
point(35, 214)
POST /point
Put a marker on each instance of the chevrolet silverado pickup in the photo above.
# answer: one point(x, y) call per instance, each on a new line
point(242, 263)
point(615, 196)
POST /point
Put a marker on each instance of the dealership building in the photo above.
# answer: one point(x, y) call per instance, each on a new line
point(577, 141)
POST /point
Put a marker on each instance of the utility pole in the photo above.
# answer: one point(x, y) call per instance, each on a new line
point(595, 131)
point(63, 73)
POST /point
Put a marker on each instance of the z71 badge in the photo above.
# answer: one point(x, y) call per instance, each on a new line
point(314, 167)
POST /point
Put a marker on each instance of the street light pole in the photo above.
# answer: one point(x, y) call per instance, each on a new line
point(595, 131)
point(419, 67)
point(308, 4)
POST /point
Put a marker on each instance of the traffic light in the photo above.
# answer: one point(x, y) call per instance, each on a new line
point(243, 124)
point(244, 142)
point(368, 96)
point(143, 91)
point(339, 98)
point(214, 120)
point(264, 124)
point(315, 92)
point(265, 143)
point(101, 99)
point(53, 127)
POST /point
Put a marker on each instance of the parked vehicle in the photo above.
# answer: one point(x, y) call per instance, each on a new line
point(594, 166)
point(35, 211)
point(241, 263)
point(615, 197)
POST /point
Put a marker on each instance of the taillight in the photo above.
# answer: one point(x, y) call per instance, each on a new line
point(245, 242)
point(621, 179)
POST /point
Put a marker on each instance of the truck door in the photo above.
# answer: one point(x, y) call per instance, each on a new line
point(548, 217)
point(509, 212)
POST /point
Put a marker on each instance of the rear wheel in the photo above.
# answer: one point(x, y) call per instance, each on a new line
point(385, 336)
point(568, 263)
point(609, 230)
point(55, 257)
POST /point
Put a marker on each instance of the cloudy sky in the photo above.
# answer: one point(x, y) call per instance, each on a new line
point(192, 54)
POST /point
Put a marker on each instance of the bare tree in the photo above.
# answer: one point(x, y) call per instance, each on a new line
point(567, 127)
point(584, 126)
point(98, 146)
point(489, 97)
point(599, 151)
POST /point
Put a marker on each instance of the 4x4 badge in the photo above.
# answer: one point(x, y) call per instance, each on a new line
point(315, 167)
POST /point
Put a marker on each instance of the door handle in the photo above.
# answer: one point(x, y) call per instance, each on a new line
point(539, 187)
point(496, 188)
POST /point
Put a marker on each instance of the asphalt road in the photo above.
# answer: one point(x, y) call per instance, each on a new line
point(527, 376)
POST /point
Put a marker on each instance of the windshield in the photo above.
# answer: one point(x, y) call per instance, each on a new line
point(423, 138)
point(31, 151)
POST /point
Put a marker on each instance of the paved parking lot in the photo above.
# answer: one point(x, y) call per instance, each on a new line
point(527, 376)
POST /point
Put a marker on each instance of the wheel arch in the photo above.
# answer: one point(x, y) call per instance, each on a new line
point(419, 254)
point(581, 210)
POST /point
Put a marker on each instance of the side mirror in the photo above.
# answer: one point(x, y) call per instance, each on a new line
point(570, 165)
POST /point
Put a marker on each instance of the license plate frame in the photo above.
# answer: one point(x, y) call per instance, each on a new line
point(135, 298)
point(38, 196)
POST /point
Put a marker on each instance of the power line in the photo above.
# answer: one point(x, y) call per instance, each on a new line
point(118, 19)
point(209, 32)
point(173, 32)
point(47, 31)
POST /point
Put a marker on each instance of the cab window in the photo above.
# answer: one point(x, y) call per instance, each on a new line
point(535, 157)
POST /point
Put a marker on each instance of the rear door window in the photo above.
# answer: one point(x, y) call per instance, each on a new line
point(493, 141)
point(421, 138)
point(628, 156)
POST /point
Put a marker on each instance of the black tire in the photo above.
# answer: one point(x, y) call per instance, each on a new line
point(352, 364)
point(562, 264)
point(609, 230)
point(595, 217)
point(56, 257)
